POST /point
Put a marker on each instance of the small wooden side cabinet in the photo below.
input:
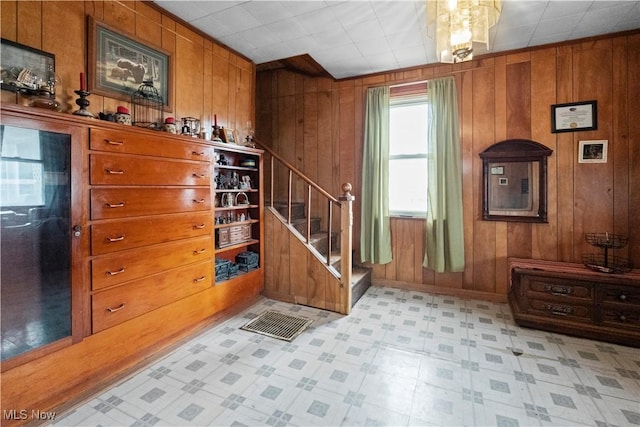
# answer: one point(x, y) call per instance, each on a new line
point(575, 300)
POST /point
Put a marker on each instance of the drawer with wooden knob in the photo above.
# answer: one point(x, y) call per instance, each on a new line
point(128, 202)
point(108, 237)
point(621, 316)
point(114, 269)
point(621, 294)
point(107, 169)
point(121, 303)
point(126, 141)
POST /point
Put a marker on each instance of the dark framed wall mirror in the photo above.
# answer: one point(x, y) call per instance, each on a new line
point(515, 181)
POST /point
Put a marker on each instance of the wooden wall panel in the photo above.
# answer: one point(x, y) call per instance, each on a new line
point(188, 80)
point(8, 20)
point(565, 160)
point(500, 97)
point(30, 12)
point(620, 152)
point(544, 240)
point(148, 26)
point(70, 47)
point(593, 182)
point(484, 232)
point(300, 284)
point(633, 89)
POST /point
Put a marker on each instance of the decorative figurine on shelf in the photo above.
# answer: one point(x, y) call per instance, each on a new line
point(235, 181)
point(246, 183)
point(170, 125)
point(221, 182)
point(122, 115)
point(190, 126)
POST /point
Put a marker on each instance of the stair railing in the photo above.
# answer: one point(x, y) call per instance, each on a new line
point(344, 202)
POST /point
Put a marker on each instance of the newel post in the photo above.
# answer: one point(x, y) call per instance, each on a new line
point(346, 244)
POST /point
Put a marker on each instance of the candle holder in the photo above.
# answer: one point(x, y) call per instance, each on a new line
point(215, 134)
point(83, 103)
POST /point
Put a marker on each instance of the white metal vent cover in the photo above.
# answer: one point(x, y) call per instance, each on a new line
point(278, 325)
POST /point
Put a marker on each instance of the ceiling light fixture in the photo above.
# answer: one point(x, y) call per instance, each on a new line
point(461, 23)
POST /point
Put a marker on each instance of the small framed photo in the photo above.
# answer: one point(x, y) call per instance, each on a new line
point(228, 136)
point(497, 170)
point(593, 151)
point(25, 69)
point(574, 116)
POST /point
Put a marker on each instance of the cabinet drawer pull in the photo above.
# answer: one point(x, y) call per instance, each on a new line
point(113, 273)
point(115, 239)
point(198, 175)
point(559, 290)
point(198, 201)
point(199, 251)
point(118, 308)
point(196, 153)
point(622, 318)
point(199, 227)
point(110, 142)
point(622, 297)
point(114, 205)
point(559, 310)
point(114, 172)
point(199, 279)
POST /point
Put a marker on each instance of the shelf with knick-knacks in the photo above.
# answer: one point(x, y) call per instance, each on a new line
point(238, 202)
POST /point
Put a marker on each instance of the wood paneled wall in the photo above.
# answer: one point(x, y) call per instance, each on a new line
point(208, 77)
point(316, 124)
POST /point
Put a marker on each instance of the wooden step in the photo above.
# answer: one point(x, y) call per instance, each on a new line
point(297, 209)
point(360, 282)
point(320, 242)
point(300, 224)
point(360, 278)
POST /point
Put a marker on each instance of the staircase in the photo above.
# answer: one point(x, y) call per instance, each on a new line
point(361, 276)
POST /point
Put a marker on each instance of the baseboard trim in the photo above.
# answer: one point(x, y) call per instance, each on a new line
point(454, 292)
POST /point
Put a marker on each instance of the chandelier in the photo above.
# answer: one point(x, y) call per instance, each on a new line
point(461, 23)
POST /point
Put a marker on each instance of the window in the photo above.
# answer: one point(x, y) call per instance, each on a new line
point(21, 168)
point(408, 126)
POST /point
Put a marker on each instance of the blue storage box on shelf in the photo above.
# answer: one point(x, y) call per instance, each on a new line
point(248, 260)
point(222, 269)
point(233, 270)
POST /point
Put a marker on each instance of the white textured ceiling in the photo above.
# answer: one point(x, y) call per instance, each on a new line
point(359, 37)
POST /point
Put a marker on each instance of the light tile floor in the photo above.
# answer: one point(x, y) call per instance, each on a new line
point(402, 358)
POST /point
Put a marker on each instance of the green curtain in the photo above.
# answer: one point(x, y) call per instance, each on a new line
point(444, 246)
point(375, 231)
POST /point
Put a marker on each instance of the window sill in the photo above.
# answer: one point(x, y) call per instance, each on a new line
point(407, 216)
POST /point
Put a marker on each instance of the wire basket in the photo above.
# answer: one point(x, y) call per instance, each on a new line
point(607, 264)
point(606, 240)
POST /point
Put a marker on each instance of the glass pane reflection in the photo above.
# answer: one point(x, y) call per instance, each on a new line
point(35, 272)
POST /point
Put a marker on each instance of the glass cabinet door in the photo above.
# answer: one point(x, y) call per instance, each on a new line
point(35, 240)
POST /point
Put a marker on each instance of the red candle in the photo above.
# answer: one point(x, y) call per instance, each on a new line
point(215, 120)
point(82, 82)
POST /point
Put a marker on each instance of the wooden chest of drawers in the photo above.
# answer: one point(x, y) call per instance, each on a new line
point(572, 299)
point(151, 223)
